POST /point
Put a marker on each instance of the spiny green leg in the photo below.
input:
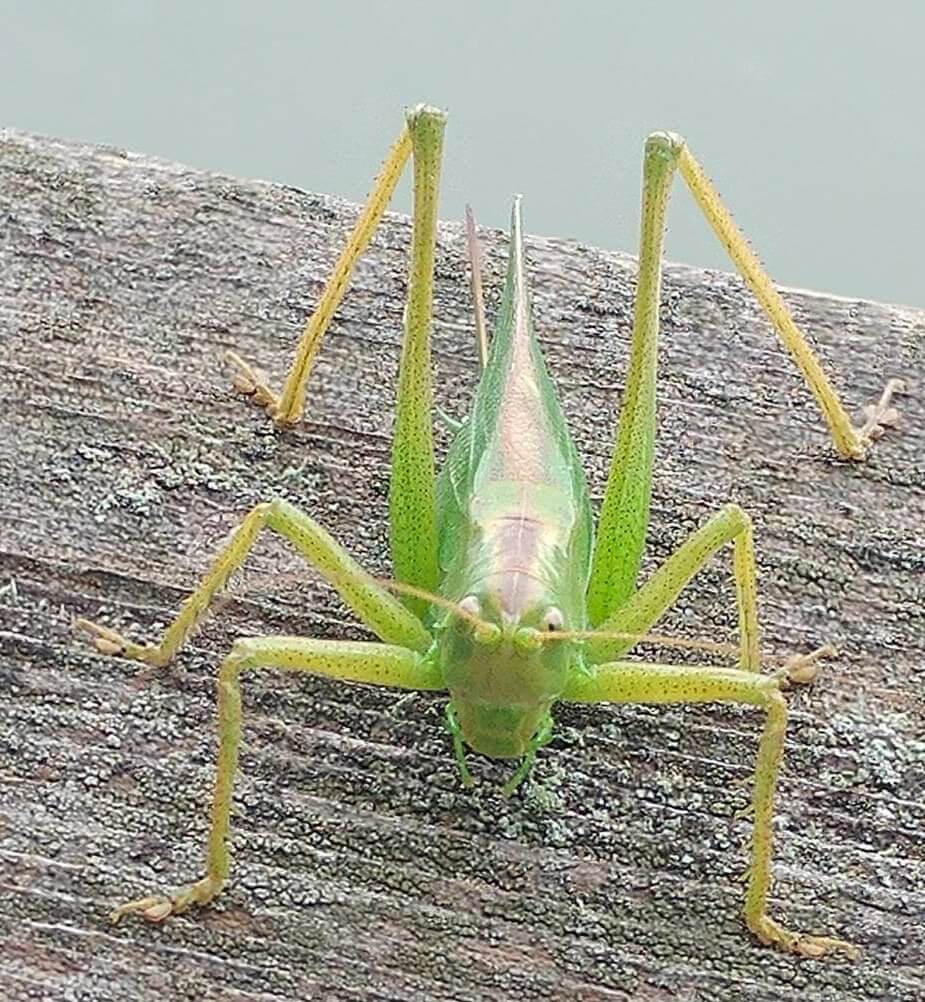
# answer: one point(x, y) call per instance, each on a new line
point(412, 492)
point(634, 682)
point(379, 664)
point(624, 514)
point(645, 607)
point(374, 606)
point(287, 408)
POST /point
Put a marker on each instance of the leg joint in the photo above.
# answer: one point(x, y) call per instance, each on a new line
point(738, 516)
point(240, 656)
point(772, 695)
point(276, 512)
point(665, 145)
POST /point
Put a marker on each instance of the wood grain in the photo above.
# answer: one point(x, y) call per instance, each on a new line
point(362, 870)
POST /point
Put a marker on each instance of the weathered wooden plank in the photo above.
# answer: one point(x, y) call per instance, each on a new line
point(363, 870)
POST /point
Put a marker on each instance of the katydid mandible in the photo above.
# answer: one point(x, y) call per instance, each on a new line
point(506, 597)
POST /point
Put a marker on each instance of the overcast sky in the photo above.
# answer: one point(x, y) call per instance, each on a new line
point(810, 122)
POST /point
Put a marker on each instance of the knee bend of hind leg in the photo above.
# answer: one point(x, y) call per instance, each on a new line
point(668, 144)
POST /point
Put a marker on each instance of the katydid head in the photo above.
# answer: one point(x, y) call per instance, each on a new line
point(502, 672)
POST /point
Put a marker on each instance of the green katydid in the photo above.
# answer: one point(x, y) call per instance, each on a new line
point(507, 598)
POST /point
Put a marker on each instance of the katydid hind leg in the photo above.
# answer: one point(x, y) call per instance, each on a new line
point(648, 683)
point(851, 441)
point(378, 664)
point(624, 516)
point(625, 507)
point(412, 489)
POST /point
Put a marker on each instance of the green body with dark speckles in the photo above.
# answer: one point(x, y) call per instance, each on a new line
point(515, 533)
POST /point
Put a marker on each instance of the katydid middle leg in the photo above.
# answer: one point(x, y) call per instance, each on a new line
point(374, 606)
point(641, 682)
point(645, 607)
point(625, 509)
point(378, 664)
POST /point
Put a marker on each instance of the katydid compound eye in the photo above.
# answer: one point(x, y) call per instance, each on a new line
point(552, 619)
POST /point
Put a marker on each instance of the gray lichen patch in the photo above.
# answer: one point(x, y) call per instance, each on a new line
point(362, 869)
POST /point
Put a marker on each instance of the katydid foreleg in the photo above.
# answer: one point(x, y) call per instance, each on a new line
point(640, 682)
point(378, 664)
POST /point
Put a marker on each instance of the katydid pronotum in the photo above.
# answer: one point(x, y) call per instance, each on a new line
point(504, 595)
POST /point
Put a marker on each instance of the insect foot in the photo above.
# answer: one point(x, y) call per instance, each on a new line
point(881, 415)
point(802, 669)
point(157, 907)
point(772, 933)
point(251, 382)
point(112, 642)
